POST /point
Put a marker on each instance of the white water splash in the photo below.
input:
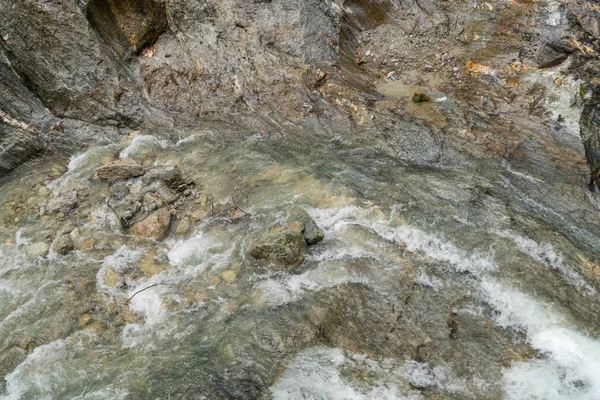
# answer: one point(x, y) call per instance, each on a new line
point(315, 374)
point(142, 142)
point(545, 254)
point(571, 366)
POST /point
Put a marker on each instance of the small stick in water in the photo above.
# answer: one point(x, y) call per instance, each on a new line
point(156, 284)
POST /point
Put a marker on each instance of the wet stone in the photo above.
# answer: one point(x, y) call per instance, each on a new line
point(184, 226)
point(87, 244)
point(84, 320)
point(155, 226)
point(119, 169)
point(63, 245)
point(38, 249)
point(312, 233)
point(151, 265)
point(228, 276)
point(112, 278)
point(282, 246)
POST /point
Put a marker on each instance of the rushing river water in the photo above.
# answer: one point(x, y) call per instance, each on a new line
point(430, 283)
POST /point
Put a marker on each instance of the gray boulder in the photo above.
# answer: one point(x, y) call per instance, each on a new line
point(312, 233)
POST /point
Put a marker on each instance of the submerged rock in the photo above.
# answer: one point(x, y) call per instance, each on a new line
point(63, 245)
point(185, 226)
point(119, 169)
point(112, 278)
point(228, 276)
point(38, 249)
point(155, 226)
point(151, 265)
point(283, 246)
point(10, 360)
point(87, 244)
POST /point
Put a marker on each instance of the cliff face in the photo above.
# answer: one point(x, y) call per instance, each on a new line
point(76, 73)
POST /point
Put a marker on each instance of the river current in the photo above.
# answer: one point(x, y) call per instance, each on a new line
point(430, 283)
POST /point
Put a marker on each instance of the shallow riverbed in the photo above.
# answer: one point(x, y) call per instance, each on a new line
point(430, 283)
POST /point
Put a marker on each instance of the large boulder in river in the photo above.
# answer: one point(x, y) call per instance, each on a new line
point(119, 169)
point(154, 226)
point(282, 246)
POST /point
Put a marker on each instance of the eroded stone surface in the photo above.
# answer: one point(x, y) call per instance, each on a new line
point(154, 226)
point(119, 169)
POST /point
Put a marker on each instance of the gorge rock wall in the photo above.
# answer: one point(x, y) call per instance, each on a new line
point(75, 73)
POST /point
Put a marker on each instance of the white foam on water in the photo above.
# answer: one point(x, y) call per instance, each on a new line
point(104, 394)
point(416, 240)
point(314, 374)
point(119, 261)
point(431, 281)
point(422, 375)
point(129, 335)
point(289, 288)
point(545, 254)
point(570, 355)
point(79, 160)
point(103, 217)
point(199, 252)
point(20, 239)
point(190, 139)
point(76, 167)
point(142, 142)
point(49, 369)
point(149, 303)
point(37, 372)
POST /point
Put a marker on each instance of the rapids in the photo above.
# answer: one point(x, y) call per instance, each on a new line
point(431, 283)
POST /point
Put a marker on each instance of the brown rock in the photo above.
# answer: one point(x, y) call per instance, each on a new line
point(155, 226)
point(84, 320)
point(119, 169)
point(87, 244)
point(63, 245)
point(228, 276)
point(112, 278)
point(150, 266)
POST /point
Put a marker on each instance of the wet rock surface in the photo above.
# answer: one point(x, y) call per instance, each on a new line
point(461, 256)
point(284, 246)
point(155, 226)
point(62, 245)
point(119, 169)
point(312, 233)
